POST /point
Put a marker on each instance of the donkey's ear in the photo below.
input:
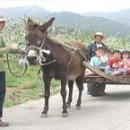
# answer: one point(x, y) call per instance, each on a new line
point(30, 25)
point(30, 22)
point(45, 26)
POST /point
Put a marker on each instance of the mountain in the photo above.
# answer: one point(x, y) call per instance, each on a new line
point(122, 16)
point(89, 24)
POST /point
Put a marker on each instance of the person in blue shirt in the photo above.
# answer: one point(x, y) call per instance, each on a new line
point(100, 60)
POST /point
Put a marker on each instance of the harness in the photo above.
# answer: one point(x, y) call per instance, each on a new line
point(69, 57)
point(41, 50)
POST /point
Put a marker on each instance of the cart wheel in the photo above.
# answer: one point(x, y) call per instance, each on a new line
point(96, 89)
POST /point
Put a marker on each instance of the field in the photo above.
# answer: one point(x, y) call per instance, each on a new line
point(30, 85)
point(27, 87)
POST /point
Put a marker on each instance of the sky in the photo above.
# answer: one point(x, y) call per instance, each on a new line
point(77, 6)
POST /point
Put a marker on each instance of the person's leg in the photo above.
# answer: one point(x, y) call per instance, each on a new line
point(108, 70)
point(116, 73)
point(119, 72)
point(2, 92)
point(89, 73)
point(2, 97)
point(128, 71)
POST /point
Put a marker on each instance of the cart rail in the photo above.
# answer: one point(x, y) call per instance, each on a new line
point(98, 79)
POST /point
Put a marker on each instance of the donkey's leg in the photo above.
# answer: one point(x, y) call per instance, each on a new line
point(79, 82)
point(47, 81)
point(70, 85)
point(63, 94)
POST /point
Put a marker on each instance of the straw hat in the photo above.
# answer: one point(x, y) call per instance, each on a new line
point(99, 34)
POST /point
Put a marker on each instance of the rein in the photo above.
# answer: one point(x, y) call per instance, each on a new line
point(11, 71)
point(47, 63)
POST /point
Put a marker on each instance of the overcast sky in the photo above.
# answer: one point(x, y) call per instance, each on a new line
point(77, 6)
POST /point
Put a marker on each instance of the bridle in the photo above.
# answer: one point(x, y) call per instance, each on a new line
point(41, 51)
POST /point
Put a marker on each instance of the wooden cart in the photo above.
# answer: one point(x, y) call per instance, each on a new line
point(97, 84)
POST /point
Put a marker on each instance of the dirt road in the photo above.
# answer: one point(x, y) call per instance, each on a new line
point(111, 112)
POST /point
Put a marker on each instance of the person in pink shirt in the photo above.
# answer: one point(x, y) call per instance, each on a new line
point(126, 61)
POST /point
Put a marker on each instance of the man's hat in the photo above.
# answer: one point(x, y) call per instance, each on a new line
point(99, 34)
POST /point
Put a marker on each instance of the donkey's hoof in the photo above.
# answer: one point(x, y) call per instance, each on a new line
point(78, 107)
point(68, 105)
point(43, 115)
point(65, 114)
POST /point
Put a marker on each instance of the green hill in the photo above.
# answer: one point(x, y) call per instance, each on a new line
point(70, 20)
point(121, 16)
point(90, 24)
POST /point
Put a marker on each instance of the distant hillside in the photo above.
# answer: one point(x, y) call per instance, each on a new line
point(122, 16)
point(71, 20)
point(90, 24)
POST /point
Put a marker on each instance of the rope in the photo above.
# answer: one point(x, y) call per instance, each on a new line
point(8, 64)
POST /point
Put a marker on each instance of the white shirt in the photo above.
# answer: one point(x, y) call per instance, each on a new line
point(98, 45)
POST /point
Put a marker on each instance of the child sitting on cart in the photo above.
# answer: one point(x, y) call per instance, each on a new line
point(109, 54)
point(115, 65)
point(100, 60)
point(126, 62)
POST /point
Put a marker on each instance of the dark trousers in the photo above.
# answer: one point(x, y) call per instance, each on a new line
point(2, 91)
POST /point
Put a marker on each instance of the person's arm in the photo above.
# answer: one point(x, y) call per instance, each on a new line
point(4, 50)
point(89, 51)
point(126, 62)
point(110, 63)
point(91, 48)
point(104, 47)
point(92, 61)
point(104, 59)
point(8, 48)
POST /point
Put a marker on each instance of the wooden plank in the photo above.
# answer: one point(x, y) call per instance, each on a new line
point(121, 80)
point(100, 73)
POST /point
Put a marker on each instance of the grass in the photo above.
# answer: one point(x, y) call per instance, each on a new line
point(27, 87)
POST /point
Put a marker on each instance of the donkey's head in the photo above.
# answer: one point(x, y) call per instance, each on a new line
point(35, 40)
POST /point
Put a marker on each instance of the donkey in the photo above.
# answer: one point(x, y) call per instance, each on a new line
point(57, 61)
